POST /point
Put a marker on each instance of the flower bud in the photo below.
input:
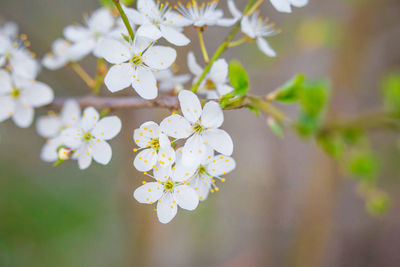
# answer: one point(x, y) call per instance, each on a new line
point(64, 153)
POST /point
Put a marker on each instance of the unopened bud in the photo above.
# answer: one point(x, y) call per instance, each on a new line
point(64, 153)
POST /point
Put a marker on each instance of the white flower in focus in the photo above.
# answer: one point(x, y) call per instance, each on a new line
point(215, 83)
point(99, 25)
point(89, 138)
point(167, 81)
point(134, 64)
point(205, 14)
point(169, 192)
point(51, 127)
point(19, 96)
point(64, 51)
point(9, 29)
point(16, 57)
point(156, 148)
point(202, 178)
point(200, 126)
point(257, 29)
point(285, 5)
point(158, 21)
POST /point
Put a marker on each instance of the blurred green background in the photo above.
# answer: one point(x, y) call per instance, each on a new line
point(286, 204)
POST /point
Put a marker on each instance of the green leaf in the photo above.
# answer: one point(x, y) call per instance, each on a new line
point(275, 127)
point(334, 146)
point(238, 78)
point(363, 165)
point(378, 204)
point(307, 125)
point(290, 91)
point(391, 90)
point(314, 97)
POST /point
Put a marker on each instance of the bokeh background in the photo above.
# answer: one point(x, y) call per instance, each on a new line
point(286, 204)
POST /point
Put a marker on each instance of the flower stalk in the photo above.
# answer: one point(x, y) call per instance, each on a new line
point(124, 19)
point(83, 74)
point(203, 46)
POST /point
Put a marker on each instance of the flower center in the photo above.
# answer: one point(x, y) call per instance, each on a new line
point(87, 137)
point(201, 170)
point(198, 128)
point(209, 85)
point(137, 60)
point(15, 93)
point(155, 144)
point(169, 186)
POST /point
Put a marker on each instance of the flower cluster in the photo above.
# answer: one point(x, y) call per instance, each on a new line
point(186, 154)
point(187, 174)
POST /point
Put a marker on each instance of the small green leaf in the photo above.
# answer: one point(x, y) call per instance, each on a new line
point(334, 145)
point(290, 91)
point(391, 90)
point(363, 165)
point(238, 78)
point(307, 125)
point(254, 110)
point(314, 97)
point(275, 127)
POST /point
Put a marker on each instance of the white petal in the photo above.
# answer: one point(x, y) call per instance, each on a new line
point(227, 22)
point(223, 89)
point(5, 82)
point(49, 150)
point(76, 33)
point(264, 46)
point(134, 16)
point(192, 64)
point(149, 31)
point(166, 208)
point(186, 197)
point(221, 165)
point(37, 94)
point(233, 9)
point(148, 193)
point(148, 8)
point(193, 151)
point(80, 49)
point(282, 5)
point(176, 126)
point(101, 21)
point(84, 157)
point(212, 115)
point(219, 71)
point(70, 113)
point(182, 172)
point(141, 43)
point(54, 62)
point(176, 19)
point(101, 151)
point(190, 105)
point(71, 137)
point(166, 156)
point(150, 129)
point(24, 65)
point(145, 160)
point(299, 3)
point(202, 185)
point(161, 173)
point(23, 115)
point(119, 77)
point(173, 36)
point(114, 51)
point(7, 107)
point(140, 138)
point(107, 128)
point(159, 57)
point(90, 118)
point(247, 27)
point(145, 84)
point(48, 126)
point(219, 140)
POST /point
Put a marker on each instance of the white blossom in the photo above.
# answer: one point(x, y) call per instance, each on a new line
point(215, 83)
point(99, 25)
point(134, 64)
point(205, 14)
point(202, 177)
point(88, 139)
point(158, 20)
point(285, 5)
point(169, 192)
point(51, 128)
point(200, 126)
point(9, 29)
point(19, 96)
point(167, 81)
point(155, 147)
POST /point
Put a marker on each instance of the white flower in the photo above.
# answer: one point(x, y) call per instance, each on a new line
point(156, 148)
point(19, 96)
point(89, 138)
point(200, 125)
point(215, 83)
point(9, 29)
point(63, 52)
point(256, 28)
point(51, 127)
point(167, 81)
point(15, 57)
point(158, 21)
point(135, 62)
point(99, 25)
point(205, 14)
point(169, 192)
point(202, 178)
point(284, 5)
